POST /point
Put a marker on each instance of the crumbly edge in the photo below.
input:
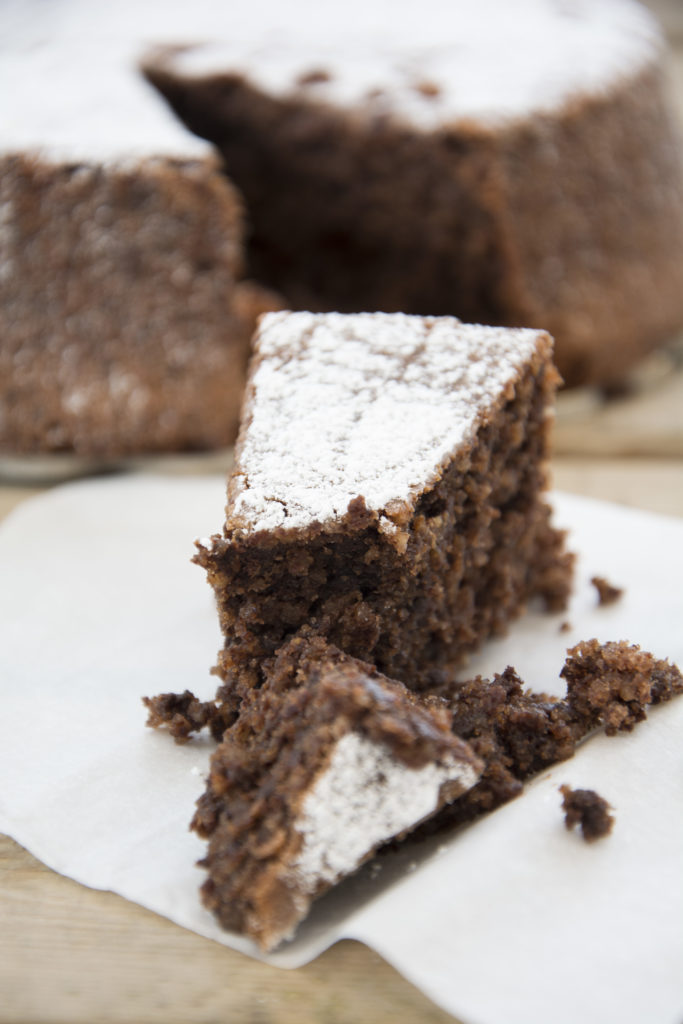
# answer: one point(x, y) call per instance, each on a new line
point(475, 547)
point(518, 733)
point(269, 761)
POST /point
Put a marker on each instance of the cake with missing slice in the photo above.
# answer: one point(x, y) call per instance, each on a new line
point(505, 163)
point(388, 492)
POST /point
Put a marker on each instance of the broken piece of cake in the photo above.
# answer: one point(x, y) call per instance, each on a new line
point(388, 491)
point(328, 760)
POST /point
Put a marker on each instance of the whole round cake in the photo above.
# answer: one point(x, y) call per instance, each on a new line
point(512, 164)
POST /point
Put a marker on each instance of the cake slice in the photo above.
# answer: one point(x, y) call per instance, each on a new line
point(125, 325)
point(387, 491)
point(328, 761)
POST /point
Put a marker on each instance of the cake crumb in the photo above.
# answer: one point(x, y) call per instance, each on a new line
point(565, 627)
point(607, 593)
point(429, 89)
point(315, 77)
point(182, 714)
point(584, 807)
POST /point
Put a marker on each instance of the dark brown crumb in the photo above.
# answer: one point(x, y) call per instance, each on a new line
point(607, 593)
point(429, 89)
point(181, 714)
point(591, 812)
point(315, 77)
point(565, 626)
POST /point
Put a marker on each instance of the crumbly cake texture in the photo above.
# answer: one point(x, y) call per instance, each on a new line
point(518, 733)
point(327, 761)
point(124, 330)
point(125, 327)
point(387, 491)
point(483, 173)
point(282, 829)
point(588, 810)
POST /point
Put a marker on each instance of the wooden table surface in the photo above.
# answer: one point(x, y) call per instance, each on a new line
point(77, 956)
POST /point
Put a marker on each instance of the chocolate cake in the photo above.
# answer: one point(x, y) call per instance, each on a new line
point(125, 328)
point(328, 760)
point(518, 733)
point(387, 491)
point(282, 829)
point(510, 164)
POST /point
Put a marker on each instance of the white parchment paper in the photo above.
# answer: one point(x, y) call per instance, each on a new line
point(512, 920)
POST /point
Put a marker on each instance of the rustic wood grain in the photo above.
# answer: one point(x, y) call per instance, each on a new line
point(71, 955)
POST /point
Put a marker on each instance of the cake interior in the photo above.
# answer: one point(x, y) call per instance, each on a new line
point(121, 304)
point(476, 546)
point(327, 761)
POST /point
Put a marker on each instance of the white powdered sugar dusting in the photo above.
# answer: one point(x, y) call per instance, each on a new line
point(366, 404)
point(433, 63)
point(68, 69)
point(362, 799)
point(76, 95)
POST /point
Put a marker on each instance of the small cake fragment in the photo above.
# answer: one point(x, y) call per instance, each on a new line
point(588, 810)
point(517, 732)
point(607, 592)
point(388, 491)
point(327, 761)
point(609, 685)
point(182, 714)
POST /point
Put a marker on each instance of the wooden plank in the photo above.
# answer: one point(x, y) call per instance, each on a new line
point(71, 955)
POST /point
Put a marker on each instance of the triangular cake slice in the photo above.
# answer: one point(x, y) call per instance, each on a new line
point(387, 491)
point(328, 761)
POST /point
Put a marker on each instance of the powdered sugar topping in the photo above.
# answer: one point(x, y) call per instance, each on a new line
point(433, 63)
point(367, 404)
point(364, 798)
point(68, 69)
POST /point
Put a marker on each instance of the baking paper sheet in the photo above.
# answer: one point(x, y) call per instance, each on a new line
point(512, 919)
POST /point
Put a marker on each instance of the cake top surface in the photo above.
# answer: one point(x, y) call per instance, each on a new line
point(69, 66)
point(76, 96)
point(368, 404)
point(432, 63)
